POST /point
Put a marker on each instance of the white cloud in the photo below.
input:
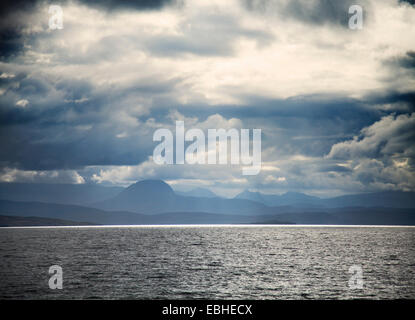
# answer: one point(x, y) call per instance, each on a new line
point(5, 75)
point(390, 136)
point(22, 103)
point(140, 65)
point(50, 176)
point(272, 179)
point(302, 59)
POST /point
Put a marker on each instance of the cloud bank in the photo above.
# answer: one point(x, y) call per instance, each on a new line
point(336, 106)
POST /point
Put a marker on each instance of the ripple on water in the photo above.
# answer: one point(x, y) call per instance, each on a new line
point(242, 263)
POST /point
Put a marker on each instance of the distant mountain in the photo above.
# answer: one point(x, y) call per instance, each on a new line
point(302, 218)
point(198, 192)
point(290, 198)
point(81, 194)
point(67, 212)
point(156, 196)
point(254, 196)
point(347, 216)
point(202, 218)
point(155, 202)
point(282, 215)
point(148, 196)
point(9, 221)
point(390, 199)
point(58, 214)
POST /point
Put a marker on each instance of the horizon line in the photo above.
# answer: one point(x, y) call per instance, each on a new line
point(213, 225)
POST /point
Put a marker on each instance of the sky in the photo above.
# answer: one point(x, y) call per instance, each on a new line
point(336, 106)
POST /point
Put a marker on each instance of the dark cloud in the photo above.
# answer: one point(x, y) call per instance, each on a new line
point(47, 147)
point(334, 168)
point(11, 43)
point(382, 155)
point(53, 138)
point(411, 2)
point(307, 125)
point(128, 4)
point(15, 18)
point(394, 98)
point(10, 6)
point(316, 12)
point(69, 123)
point(47, 137)
point(58, 114)
point(391, 136)
point(406, 61)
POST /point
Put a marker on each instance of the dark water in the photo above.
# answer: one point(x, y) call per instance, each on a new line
point(208, 262)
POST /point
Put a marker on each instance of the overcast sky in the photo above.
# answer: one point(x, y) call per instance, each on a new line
point(336, 106)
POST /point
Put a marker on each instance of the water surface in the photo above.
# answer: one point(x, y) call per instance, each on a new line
point(210, 262)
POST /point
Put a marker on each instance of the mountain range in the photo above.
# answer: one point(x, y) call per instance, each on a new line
point(156, 196)
point(393, 199)
point(155, 202)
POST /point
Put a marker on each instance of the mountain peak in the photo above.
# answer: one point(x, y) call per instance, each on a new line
point(149, 188)
point(150, 184)
point(249, 195)
point(143, 196)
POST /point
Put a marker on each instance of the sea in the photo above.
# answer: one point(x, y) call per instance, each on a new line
point(209, 262)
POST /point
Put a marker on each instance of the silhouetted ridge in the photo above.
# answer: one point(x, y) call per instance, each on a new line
point(149, 188)
point(155, 196)
point(145, 196)
point(248, 195)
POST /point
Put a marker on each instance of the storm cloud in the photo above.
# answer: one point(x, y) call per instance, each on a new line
point(336, 106)
point(314, 12)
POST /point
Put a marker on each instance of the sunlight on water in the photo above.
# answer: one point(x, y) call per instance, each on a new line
point(208, 261)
